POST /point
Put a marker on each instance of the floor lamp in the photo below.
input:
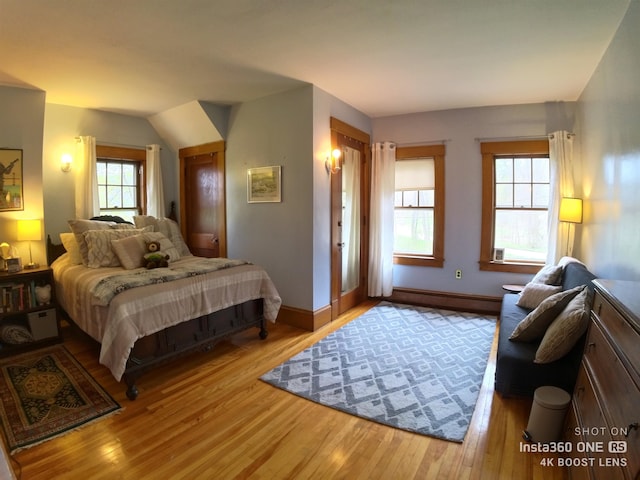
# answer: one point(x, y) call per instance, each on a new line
point(570, 212)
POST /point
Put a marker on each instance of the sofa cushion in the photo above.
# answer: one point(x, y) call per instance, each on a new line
point(535, 324)
point(565, 330)
point(534, 293)
point(576, 273)
point(516, 374)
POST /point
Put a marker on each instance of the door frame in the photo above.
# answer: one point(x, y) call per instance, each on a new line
point(341, 302)
point(216, 150)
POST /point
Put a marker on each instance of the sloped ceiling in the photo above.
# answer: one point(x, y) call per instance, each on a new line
point(193, 123)
point(167, 59)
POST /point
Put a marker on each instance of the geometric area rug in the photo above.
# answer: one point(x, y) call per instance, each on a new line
point(46, 393)
point(414, 368)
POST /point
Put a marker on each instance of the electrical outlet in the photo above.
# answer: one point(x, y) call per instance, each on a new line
point(458, 274)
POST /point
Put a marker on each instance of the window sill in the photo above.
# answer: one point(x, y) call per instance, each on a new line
point(418, 261)
point(512, 267)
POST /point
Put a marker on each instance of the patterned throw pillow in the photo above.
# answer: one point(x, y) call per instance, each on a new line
point(99, 251)
point(565, 330)
point(533, 326)
point(79, 226)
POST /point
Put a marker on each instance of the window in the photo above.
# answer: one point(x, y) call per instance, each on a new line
point(419, 206)
point(515, 205)
point(120, 181)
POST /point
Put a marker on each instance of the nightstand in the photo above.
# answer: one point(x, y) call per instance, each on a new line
point(27, 319)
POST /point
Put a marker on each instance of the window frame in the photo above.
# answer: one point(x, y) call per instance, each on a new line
point(137, 156)
point(437, 152)
point(489, 151)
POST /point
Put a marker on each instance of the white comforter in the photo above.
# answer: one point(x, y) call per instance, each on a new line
point(144, 310)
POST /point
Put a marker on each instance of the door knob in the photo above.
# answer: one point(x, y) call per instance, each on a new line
point(340, 244)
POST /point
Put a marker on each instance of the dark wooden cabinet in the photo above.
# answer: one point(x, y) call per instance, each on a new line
point(28, 319)
point(603, 424)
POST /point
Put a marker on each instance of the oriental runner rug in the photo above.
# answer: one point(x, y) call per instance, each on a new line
point(414, 368)
point(46, 393)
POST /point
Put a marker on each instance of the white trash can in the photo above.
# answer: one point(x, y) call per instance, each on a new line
point(547, 414)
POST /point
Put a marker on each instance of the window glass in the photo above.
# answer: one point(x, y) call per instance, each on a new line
point(419, 205)
point(413, 231)
point(414, 202)
point(522, 199)
point(118, 187)
point(516, 190)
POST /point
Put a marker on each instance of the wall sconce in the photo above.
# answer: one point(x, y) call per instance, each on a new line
point(28, 231)
point(570, 212)
point(65, 162)
point(332, 163)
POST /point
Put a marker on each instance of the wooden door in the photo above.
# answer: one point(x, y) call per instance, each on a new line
point(202, 199)
point(349, 254)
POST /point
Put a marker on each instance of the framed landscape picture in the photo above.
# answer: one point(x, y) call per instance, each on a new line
point(11, 180)
point(264, 184)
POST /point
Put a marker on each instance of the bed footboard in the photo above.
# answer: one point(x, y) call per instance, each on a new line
point(197, 334)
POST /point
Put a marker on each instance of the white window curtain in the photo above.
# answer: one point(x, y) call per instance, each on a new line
point(155, 191)
point(383, 161)
point(86, 178)
point(561, 165)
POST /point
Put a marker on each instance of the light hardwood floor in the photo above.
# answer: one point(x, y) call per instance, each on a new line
point(208, 416)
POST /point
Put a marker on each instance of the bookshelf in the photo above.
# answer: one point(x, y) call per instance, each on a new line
point(28, 320)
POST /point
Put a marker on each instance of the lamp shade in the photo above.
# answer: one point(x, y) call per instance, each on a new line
point(570, 210)
point(29, 230)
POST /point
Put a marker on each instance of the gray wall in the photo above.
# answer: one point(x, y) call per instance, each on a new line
point(64, 123)
point(609, 130)
point(21, 125)
point(275, 130)
point(461, 130)
point(289, 239)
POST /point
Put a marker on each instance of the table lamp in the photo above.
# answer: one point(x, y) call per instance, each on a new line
point(28, 231)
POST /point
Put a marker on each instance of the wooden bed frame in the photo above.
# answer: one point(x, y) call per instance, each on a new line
point(200, 333)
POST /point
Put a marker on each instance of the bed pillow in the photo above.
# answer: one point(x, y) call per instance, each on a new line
point(79, 226)
point(166, 226)
point(68, 239)
point(549, 275)
point(99, 251)
point(535, 324)
point(565, 330)
point(534, 293)
point(131, 250)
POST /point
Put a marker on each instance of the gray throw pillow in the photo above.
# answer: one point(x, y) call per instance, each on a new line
point(565, 330)
point(534, 293)
point(549, 274)
point(533, 326)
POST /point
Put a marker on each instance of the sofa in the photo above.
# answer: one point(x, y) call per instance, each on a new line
point(516, 372)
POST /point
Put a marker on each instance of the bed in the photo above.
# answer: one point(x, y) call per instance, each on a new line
point(145, 318)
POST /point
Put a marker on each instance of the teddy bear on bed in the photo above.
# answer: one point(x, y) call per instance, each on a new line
point(154, 258)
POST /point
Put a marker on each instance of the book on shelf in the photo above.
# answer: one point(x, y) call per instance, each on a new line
point(17, 297)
